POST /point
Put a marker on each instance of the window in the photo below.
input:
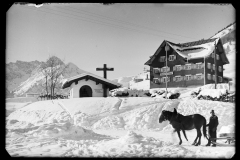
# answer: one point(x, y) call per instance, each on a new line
point(209, 77)
point(220, 78)
point(165, 69)
point(213, 55)
point(199, 76)
point(188, 77)
point(198, 65)
point(213, 67)
point(220, 68)
point(217, 56)
point(162, 59)
point(172, 57)
point(177, 78)
point(213, 77)
point(177, 68)
point(164, 79)
point(156, 70)
point(209, 65)
point(188, 67)
point(156, 80)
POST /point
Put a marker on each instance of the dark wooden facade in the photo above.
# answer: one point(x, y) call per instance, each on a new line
point(198, 66)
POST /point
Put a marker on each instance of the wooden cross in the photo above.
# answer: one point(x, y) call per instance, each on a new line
point(105, 69)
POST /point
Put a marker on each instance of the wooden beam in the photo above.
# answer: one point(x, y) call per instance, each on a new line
point(87, 78)
point(76, 82)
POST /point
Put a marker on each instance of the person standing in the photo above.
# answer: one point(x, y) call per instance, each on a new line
point(212, 128)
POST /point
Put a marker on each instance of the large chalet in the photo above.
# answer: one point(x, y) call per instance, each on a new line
point(188, 64)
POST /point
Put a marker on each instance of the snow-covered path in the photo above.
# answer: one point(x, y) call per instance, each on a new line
point(110, 127)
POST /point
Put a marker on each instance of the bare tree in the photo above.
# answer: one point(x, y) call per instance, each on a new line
point(52, 70)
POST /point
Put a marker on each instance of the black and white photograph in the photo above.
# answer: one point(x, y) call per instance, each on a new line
point(120, 80)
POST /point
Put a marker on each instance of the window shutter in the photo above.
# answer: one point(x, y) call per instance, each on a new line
point(194, 76)
point(190, 77)
point(168, 69)
point(193, 66)
point(174, 79)
point(184, 78)
point(169, 58)
point(181, 68)
point(161, 80)
point(174, 57)
point(202, 65)
point(174, 68)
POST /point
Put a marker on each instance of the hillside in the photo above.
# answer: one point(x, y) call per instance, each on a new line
point(26, 77)
point(19, 72)
point(228, 37)
point(133, 81)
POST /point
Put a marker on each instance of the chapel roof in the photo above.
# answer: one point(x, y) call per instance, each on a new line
point(91, 76)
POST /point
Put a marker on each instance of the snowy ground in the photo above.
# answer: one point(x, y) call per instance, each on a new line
point(110, 127)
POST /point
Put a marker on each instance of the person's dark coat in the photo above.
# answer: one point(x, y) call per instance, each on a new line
point(213, 123)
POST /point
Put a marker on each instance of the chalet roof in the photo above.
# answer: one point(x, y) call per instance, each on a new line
point(191, 50)
point(195, 43)
point(93, 77)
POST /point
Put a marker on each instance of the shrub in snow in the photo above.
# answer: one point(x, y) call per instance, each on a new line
point(215, 95)
point(161, 94)
point(125, 92)
point(195, 92)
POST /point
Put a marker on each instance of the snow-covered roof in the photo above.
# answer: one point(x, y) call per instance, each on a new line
point(70, 80)
point(191, 50)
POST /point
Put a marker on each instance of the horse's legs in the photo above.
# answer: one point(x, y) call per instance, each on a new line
point(179, 136)
point(199, 135)
point(195, 141)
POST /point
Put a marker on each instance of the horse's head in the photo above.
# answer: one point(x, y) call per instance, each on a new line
point(165, 115)
point(174, 115)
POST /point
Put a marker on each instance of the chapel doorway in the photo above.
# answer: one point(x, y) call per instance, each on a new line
point(85, 91)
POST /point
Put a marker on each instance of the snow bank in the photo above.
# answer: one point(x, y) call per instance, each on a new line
point(135, 145)
point(212, 86)
point(214, 93)
point(116, 113)
point(227, 129)
point(63, 124)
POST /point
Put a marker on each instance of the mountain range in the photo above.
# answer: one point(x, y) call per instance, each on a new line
point(26, 77)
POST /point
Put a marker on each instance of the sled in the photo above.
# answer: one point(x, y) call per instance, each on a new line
point(228, 137)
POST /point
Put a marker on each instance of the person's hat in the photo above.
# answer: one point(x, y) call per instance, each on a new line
point(212, 111)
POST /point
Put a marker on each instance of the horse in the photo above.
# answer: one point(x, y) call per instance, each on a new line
point(180, 122)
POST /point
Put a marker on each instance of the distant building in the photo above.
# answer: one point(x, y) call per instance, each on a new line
point(32, 94)
point(89, 85)
point(188, 64)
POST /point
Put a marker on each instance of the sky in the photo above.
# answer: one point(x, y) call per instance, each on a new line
point(123, 36)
